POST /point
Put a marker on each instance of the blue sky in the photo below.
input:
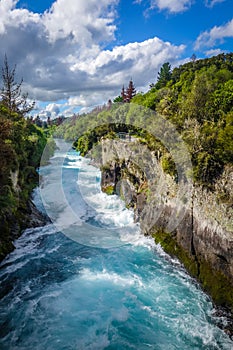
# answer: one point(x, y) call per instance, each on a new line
point(77, 54)
point(179, 28)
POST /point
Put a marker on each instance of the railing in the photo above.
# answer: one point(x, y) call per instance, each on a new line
point(124, 136)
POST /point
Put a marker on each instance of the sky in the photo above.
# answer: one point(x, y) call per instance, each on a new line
point(74, 55)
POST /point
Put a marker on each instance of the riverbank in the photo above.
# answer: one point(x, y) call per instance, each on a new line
point(18, 178)
point(189, 221)
point(12, 225)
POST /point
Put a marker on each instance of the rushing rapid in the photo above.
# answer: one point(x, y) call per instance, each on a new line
point(97, 283)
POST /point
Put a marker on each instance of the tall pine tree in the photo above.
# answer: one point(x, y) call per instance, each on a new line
point(130, 92)
point(164, 75)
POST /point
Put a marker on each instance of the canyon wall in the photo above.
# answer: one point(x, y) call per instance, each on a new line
point(191, 222)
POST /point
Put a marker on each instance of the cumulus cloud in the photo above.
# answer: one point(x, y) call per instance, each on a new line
point(134, 59)
point(84, 22)
point(52, 110)
point(214, 36)
point(12, 17)
point(61, 55)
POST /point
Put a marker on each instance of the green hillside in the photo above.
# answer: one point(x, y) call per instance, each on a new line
point(197, 98)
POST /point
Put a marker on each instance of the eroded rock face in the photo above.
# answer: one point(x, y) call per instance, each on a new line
point(191, 222)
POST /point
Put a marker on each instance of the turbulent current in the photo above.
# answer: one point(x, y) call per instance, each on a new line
point(90, 280)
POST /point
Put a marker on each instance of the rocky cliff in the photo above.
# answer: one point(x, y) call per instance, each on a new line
point(190, 222)
point(12, 224)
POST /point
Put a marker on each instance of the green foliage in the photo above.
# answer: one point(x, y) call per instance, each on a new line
point(213, 281)
point(217, 284)
point(224, 143)
point(118, 99)
point(8, 158)
point(168, 164)
point(22, 145)
point(196, 97)
point(109, 190)
point(35, 142)
point(7, 198)
point(171, 246)
point(148, 100)
point(206, 168)
point(222, 98)
point(84, 144)
point(164, 75)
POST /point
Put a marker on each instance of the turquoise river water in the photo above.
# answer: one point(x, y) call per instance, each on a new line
point(97, 283)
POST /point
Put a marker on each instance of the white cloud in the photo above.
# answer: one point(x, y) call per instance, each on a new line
point(84, 22)
point(211, 3)
point(61, 56)
point(215, 35)
point(213, 52)
point(130, 58)
point(14, 17)
point(110, 69)
point(176, 6)
point(87, 101)
point(53, 108)
point(173, 6)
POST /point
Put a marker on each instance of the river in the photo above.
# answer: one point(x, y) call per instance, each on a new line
point(92, 281)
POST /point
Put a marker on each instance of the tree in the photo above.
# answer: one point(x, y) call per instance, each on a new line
point(164, 75)
point(193, 57)
point(118, 99)
point(131, 91)
point(195, 105)
point(11, 93)
point(123, 94)
point(7, 154)
point(109, 105)
point(128, 94)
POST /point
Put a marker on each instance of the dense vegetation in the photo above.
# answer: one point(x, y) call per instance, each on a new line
point(197, 98)
point(22, 144)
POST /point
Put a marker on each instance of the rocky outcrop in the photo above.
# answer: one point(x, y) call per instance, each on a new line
point(189, 221)
point(12, 225)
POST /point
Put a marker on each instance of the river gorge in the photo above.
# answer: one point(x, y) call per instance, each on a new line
point(92, 280)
